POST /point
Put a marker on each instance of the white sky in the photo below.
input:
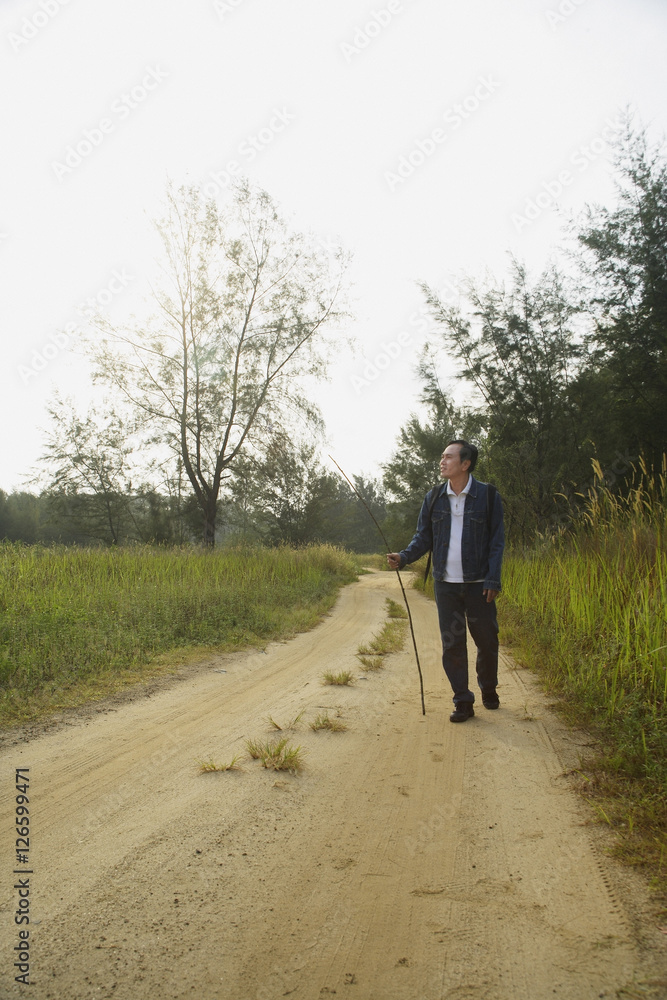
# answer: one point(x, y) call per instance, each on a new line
point(546, 86)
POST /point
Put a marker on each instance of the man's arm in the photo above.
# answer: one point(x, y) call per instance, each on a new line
point(492, 584)
point(422, 540)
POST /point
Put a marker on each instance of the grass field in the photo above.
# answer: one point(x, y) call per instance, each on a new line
point(80, 623)
point(588, 611)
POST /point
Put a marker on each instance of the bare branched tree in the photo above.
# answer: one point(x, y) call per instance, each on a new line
point(242, 317)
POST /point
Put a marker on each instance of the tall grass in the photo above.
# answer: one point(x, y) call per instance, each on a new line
point(588, 608)
point(74, 618)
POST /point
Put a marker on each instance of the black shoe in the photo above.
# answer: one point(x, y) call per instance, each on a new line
point(490, 700)
point(462, 711)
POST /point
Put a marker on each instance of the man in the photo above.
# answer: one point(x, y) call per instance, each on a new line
point(462, 521)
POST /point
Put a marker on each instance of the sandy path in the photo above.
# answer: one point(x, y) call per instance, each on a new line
point(412, 859)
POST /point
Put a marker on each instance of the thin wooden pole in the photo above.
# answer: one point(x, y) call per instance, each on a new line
point(398, 574)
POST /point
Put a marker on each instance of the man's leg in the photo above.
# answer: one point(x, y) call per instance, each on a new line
point(483, 625)
point(450, 600)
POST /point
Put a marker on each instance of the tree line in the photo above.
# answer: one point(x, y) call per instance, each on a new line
point(560, 371)
point(289, 498)
point(566, 373)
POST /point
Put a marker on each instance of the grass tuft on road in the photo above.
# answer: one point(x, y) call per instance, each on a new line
point(394, 609)
point(389, 639)
point(342, 678)
point(371, 662)
point(209, 766)
point(288, 726)
point(325, 722)
point(277, 754)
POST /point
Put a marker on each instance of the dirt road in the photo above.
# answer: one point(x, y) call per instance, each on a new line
point(411, 860)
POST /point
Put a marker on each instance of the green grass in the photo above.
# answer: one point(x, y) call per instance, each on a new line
point(325, 722)
point(277, 754)
point(395, 610)
point(208, 766)
point(418, 569)
point(588, 610)
point(344, 677)
point(287, 726)
point(390, 639)
point(77, 624)
point(375, 560)
point(371, 662)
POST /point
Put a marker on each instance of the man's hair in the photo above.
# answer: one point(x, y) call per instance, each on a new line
point(467, 453)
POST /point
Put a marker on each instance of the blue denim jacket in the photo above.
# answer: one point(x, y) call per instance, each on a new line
point(481, 550)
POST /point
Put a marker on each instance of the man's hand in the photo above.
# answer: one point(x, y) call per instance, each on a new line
point(394, 560)
point(490, 595)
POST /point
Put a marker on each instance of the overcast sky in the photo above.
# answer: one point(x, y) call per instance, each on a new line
point(430, 138)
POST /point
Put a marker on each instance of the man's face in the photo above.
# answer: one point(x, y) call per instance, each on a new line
point(451, 465)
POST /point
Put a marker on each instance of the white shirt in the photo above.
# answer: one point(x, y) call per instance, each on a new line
point(454, 567)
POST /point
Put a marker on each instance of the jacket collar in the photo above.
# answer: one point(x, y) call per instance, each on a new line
point(472, 492)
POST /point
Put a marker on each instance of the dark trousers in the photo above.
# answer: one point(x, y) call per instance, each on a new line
point(458, 602)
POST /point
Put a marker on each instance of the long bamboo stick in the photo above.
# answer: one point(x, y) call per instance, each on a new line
point(398, 574)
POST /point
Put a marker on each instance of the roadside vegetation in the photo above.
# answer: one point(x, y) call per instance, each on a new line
point(587, 608)
point(77, 624)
